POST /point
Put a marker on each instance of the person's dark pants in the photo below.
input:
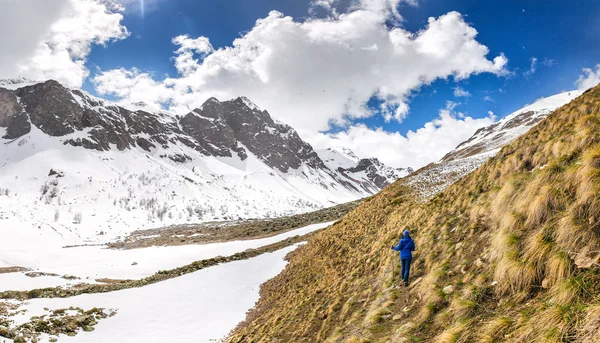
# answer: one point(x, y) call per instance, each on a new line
point(405, 268)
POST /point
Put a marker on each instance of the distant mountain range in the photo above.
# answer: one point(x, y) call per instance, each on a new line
point(78, 158)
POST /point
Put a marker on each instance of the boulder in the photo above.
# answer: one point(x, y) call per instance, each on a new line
point(545, 283)
point(56, 173)
point(448, 289)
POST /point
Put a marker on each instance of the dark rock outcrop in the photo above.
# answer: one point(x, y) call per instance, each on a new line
point(12, 116)
point(208, 127)
point(236, 125)
point(276, 144)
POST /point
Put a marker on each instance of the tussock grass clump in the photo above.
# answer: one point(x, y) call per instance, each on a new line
point(493, 330)
point(453, 334)
point(517, 239)
point(568, 291)
point(558, 267)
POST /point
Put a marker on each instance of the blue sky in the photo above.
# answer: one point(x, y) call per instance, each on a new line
point(564, 38)
point(402, 80)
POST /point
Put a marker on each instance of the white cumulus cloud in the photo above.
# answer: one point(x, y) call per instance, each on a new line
point(589, 78)
point(133, 85)
point(185, 62)
point(320, 71)
point(51, 39)
point(415, 149)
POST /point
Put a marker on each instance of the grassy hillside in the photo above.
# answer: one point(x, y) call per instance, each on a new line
point(518, 240)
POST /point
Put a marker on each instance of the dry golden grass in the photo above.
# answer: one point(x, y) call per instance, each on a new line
point(589, 331)
point(506, 237)
point(494, 329)
point(451, 334)
point(558, 267)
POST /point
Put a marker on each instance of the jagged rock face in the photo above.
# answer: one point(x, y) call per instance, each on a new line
point(58, 111)
point(12, 116)
point(208, 127)
point(53, 109)
point(277, 144)
point(236, 125)
point(160, 130)
point(9, 106)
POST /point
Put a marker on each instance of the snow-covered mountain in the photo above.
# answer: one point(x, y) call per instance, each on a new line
point(370, 173)
point(68, 159)
point(485, 143)
point(510, 127)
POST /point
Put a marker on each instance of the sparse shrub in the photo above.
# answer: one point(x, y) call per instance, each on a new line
point(78, 218)
point(148, 204)
point(44, 188)
point(161, 211)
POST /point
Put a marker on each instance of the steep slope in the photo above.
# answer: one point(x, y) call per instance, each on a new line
point(485, 143)
point(68, 158)
point(371, 174)
point(509, 253)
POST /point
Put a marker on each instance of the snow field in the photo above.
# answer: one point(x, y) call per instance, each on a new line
point(199, 307)
point(94, 262)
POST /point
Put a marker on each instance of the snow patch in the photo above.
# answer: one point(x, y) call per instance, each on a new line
point(250, 104)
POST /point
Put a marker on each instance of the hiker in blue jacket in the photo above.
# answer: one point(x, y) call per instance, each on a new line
point(406, 246)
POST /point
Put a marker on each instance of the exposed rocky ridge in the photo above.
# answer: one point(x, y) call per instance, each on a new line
point(61, 112)
point(12, 116)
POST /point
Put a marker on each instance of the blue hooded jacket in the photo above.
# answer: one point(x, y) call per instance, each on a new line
point(406, 246)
